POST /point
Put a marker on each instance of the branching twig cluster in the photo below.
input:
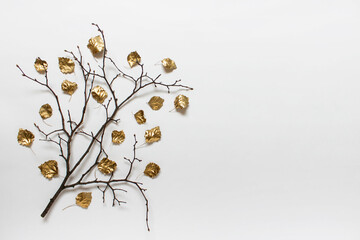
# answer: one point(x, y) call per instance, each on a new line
point(69, 128)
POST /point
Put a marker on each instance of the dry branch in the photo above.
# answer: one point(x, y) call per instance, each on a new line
point(63, 136)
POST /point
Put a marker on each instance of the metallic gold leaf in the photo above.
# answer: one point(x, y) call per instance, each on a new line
point(139, 116)
point(68, 87)
point(45, 111)
point(49, 169)
point(168, 64)
point(83, 199)
point(118, 136)
point(106, 166)
point(96, 44)
point(66, 65)
point(181, 102)
point(156, 102)
point(99, 94)
point(153, 135)
point(25, 137)
point(40, 65)
point(133, 59)
point(152, 170)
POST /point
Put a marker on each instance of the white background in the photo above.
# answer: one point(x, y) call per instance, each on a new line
point(268, 149)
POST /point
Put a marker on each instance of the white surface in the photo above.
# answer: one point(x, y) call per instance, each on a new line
point(269, 148)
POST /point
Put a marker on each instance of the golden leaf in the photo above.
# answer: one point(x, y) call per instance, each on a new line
point(153, 135)
point(118, 136)
point(152, 170)
point(106, 166)
point(49, 169)
point(181, 102)
point(68, 87)
point(99, 94)
point(133, 59)
point(40, 65)
point(139, 116)
point(45, 111)
point(156, 102)
point(66, 65)
point(96, 44)
point(168, 64)
point(83, 199)
point(25, 137)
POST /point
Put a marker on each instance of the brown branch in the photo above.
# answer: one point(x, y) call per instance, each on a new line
point(46, 84)
point(103, 64)
point(134, 158)
point(47, 134)
point(66, 138)
point(121, 72)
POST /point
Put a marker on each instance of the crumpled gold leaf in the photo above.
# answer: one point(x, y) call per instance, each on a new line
point(96, 44)
point(139, 116)
point(118, 136)
point(152, 170)
point(168, 64)
point(40, 65)
point(133, 59)
point(153, 135)
point(45, 111)
point(83, 199)
point(66, 65)
point(106, 166)
point(68, 87)
point(181, 102)
point(99, 94)
point(25, 137)
point(156, 102)
point(49, 169)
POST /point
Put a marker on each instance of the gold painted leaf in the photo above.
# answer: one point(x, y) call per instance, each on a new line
point(96, 44)
point(66, 65)
point(168, 64)
point(45, 111)
point(133, 59)
point(181, 102)
point(25, 137)
point(99, 94)
point(139, 116)
point(49, 169)
point(68, 87)
point(40, 65)
point(83, 199)
point(156, 103)
point(106, 166)
point(152, 170)
point(153, 135)
point(118, 136)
